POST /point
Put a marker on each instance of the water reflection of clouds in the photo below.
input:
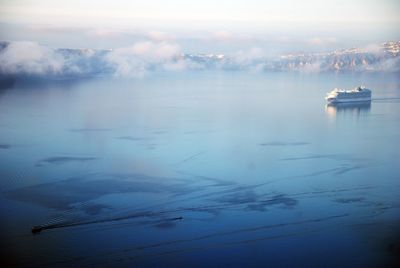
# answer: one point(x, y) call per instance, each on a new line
point(63, 159)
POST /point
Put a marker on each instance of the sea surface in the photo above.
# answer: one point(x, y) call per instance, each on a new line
point(202, 169)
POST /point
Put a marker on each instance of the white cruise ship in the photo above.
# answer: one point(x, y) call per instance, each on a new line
point(353, 95)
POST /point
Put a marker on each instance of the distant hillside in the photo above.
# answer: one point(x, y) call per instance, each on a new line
point(32, 59)
point(385, 57)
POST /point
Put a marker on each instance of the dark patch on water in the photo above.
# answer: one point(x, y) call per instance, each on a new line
point(131, 138)
point(287, 202)
point(349, 200)
point(5, 146)
point(279, 143)
point(255, 202)
point(281, 199)
point(64, 159)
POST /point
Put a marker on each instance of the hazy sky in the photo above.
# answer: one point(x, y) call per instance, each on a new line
point(204, 26)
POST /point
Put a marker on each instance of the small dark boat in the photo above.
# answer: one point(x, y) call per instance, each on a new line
point(36, 229)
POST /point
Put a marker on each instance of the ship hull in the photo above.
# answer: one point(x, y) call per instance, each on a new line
point(338, 100)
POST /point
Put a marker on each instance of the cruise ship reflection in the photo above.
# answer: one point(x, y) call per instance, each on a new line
point(348, 108)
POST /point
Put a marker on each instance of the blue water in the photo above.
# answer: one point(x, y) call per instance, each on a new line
point(215, 169)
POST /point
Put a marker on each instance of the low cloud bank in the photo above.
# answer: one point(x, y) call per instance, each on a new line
point(143, 57)
point(34, 60)
point(29, 58)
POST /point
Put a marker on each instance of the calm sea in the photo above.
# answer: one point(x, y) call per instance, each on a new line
point(206, 169)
